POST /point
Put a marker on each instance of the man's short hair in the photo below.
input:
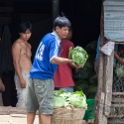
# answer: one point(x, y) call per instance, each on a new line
point(61, 22)
point(23, 27)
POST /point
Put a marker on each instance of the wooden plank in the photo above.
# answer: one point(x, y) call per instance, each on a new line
point(116, 121)
point(117, 105)
point(104, 119)
point(108, 80)
point(119, 42)
point(116, 116)
point(117, 99)
point(118, 93)
point(100, 118)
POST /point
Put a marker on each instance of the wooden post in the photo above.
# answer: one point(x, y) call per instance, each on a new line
point(108, 75)
point(55, 8)
point(105, 79)
point(100, 119)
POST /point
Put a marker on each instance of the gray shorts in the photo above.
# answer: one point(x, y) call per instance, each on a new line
point(21, 92)
point(67, 89)
point(40, 96)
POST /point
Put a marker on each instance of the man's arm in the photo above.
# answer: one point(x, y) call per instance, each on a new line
point(116, 55)
point(120, 60)
point(16, 48)
point(60, 60)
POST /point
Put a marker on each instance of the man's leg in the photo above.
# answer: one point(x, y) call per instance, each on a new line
point(30, 117)
point(26, 78)
point(31, 102)
point(44, 90)
point(46, 119)
point(19, 92)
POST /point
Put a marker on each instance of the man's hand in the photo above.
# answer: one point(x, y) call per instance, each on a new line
point(121, 61)
point(2, 87)
point(23, 83)
point(75, 66)
point(70, 61)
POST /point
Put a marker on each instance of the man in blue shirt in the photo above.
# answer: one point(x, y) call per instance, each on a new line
point(41, 86)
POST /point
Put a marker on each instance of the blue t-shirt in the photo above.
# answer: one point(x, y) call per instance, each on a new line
point(97, 49)
point(48, 48)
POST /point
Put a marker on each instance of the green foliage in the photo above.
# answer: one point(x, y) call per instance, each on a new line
point(119, 71)
point(77, 99)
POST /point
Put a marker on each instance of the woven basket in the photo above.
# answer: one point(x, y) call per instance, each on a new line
point(68, 116)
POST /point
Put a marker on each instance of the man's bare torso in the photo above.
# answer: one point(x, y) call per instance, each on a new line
point(25, 56)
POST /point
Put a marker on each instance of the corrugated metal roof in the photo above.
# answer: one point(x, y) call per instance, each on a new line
point(114, 20)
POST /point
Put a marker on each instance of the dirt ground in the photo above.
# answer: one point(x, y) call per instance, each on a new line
point(15, 119)
point(14, 115)
point(18, 119)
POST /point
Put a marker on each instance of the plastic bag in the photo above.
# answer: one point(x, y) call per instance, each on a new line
point(107, 48)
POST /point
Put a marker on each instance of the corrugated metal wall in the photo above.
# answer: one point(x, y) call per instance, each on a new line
point(114, 20)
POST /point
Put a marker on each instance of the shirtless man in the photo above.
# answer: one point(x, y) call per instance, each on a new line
point(21, 52)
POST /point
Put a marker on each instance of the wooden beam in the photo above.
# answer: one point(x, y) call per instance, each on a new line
point(55, 8)
point(118, 93)
point(117, 105)
point(100, 94)
point(116, 116)
point(118, 100)
point(117, 121)
point(101, 119)
point(108, 81)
